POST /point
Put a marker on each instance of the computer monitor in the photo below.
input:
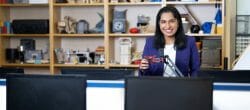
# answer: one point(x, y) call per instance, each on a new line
point(236, 76)
point(4, 71)
point(99, 74)
point(159, 93)
point(44, 92)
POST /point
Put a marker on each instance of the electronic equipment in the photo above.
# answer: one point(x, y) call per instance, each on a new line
point(161, 93)
point(195, 29)
point(46, 92)
point(30, 26)
point(28, 44)
point(119, 23)
point(11, 55)
point(237, 76)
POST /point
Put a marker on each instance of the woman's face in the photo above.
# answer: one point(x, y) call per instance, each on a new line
point(168, 24)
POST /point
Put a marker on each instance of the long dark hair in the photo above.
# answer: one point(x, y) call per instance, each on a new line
point(180, 38)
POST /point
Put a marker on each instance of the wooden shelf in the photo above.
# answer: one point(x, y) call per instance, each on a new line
point(25, 35)
point(212, 35)
point(77, 4)
point(152, 34)
point(194, 3)
point(24, 65)
point(131, 4)
point(211, 67)
point(24, 5)
point(79, 35)
point(127, 66)
point(78, 65)
point(130, 35)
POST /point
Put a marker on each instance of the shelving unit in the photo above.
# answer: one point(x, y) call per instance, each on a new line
point(78, 11)
point(209, 16)
point(10, 12)
point(56, 12)
point(192, 3)
point(133, 10)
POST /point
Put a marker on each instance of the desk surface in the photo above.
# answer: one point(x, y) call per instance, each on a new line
point(109, 95)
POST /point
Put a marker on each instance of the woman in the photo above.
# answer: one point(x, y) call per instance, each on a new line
point(169, 38)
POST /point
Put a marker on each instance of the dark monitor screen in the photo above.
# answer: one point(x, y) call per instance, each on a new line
point(237, 76)
point(100, 74)
point(5, 71)
point(44, 92)
point(155, 93)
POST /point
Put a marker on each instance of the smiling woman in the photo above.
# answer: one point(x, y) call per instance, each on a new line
point(168, 26)
point(170, 37)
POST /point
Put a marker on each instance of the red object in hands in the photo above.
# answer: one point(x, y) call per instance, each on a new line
point(137, 62)
point(134, 30)
point(153, 59)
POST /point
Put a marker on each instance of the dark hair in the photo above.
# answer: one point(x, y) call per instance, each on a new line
point(180, 38)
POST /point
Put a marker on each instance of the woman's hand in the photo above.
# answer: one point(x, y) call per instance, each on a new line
point(144, 64)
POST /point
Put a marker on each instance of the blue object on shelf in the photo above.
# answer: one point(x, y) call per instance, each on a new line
point(218, 17)
point(7, 24)
point(206, 27)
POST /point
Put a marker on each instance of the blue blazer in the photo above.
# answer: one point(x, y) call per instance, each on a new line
point(187, 59)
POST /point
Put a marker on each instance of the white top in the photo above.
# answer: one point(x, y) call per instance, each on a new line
point(171, 52)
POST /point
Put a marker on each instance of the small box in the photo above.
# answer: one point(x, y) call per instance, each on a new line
point(211, 44)
point(219, 29)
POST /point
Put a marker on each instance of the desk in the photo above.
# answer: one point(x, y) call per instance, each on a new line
point(2, 94)
point(109, 95)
